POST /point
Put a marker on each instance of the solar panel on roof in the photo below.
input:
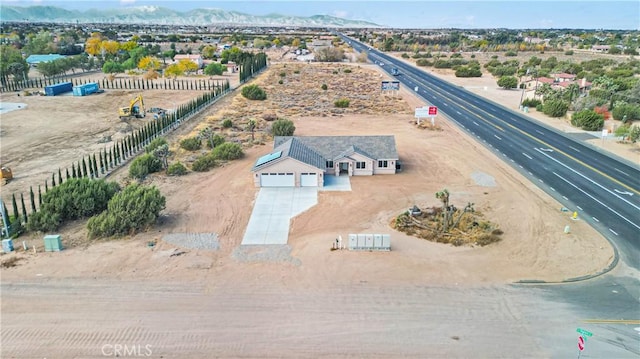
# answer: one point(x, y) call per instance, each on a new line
point(270, 157)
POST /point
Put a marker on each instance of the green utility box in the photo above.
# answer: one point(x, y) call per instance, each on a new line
point(53, 243)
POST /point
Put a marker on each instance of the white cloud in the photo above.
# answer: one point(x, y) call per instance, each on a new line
point(341, 14)
point(127, 2)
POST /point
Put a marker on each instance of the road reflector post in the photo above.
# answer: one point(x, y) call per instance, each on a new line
point(567, 229)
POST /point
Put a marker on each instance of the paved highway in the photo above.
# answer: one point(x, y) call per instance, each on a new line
point(603, 189)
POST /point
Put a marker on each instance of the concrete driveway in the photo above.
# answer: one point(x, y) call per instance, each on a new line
point(272, 213)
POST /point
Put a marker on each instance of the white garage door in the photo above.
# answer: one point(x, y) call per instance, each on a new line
point(277, 180)
point(308, 180)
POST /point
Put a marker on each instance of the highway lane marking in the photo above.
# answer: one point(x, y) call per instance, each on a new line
point(573, 148)
point(527, 156)
point(520, 166)
point(612, 321)
point(458, 112)
point(623, 172)
point(540, 132)
point(531, 173)
point(595, 219)
point(624, 192)
point(475, 123)
point(595, 199)
point(553, 189)
point(612, 231)
point(592, 181)
point(565, 198)
point(446, 104)
point(498, 137)
point(578, 207)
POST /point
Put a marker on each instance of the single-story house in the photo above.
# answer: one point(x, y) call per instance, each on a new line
point(195, 58)
point(34, 60)
point(304, 161)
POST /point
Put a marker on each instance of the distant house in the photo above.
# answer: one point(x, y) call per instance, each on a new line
point(195, 58)
point(600, 48)
point(563, 77)
point(34, 60)
point(232, 67)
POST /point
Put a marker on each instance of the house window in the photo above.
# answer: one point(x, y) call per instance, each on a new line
point(383, 164)
point(361, 165)
point(329, 164)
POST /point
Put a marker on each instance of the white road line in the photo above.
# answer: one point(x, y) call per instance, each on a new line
point(527, 156)
point(541, 181)
point(530, 173)
point(595, 199)
point(565, 198)
point(612, 231)
point(446, 104)
point(553, 189)
point(578, 207)
point(513, 161)
point(458, 112)
point(595, 219)
point(504, 154)
point(498, 137)
point(490, 145)
point(624, 173)
point(592, 181)
point(573, 148)
point(520, 166)
point(475, 123)
point(540, 132)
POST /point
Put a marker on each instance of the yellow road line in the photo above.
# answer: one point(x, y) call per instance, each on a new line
point(612, 321)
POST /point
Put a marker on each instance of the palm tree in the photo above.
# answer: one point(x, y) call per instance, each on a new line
point(444, 197)
point(251, 126)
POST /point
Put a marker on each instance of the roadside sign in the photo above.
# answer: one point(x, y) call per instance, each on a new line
point(422, 112)
point(584, 332)
point(581, 343)
point(395, 85)
point(433, 111)
point(386, 85)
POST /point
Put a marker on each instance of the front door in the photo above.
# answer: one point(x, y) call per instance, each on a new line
point(344, 167)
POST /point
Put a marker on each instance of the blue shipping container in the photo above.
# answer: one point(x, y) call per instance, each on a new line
point(53, 90)
point(86, 89)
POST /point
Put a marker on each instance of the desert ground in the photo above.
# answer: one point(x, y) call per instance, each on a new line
point(533, 246)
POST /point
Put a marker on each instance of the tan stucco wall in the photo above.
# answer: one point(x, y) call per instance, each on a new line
point(289, 165)
point(391, 169)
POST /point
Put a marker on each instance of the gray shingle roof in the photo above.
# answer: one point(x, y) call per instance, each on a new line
point(330, 147)
point(316, 150)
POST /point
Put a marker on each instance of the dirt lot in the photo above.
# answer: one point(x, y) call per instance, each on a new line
point(533, 246)
point(302, 303)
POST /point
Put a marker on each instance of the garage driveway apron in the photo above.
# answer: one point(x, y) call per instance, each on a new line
point(272, 213)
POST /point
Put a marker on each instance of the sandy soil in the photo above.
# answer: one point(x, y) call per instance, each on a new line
point(317, 302)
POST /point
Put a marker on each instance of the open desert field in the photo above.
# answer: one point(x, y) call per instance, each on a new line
point(262, 301)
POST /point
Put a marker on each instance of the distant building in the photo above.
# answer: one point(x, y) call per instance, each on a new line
point(34, 60)
point(195, 58)
point(600, 48)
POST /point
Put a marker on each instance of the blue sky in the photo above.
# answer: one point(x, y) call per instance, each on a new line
point(541, 14)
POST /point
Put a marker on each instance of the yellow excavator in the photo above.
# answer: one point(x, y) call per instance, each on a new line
point(5, 175)
point(134, 110)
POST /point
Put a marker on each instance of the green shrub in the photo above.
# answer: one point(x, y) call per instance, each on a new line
point(342, 102)
point(129, 211)
point(473, 56)
point(335, 72)
point(143, 165)
point(404, 55)
point(540, 108)
point(157, 142)
point(347, 71)
point(73, 199)
point(176, 169)
point(324, 87)
point(442, 64)
point(531, 102)
point(555, 108)
point(510, 53)
point(568, 53)
point(626, 113)
point(424, 62)
point(204, 163)
point(508, 82)
point(254, 92)
point(296, 71)
point(588, 120)
point(191, 144)
point(283, 127)
point(457, 55)
point(227, 123)
point(280, 81)
point(228, 151)
point(283, 74)
point(215, 141)
point(468, 71)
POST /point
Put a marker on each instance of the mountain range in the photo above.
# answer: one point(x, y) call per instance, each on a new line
point(163, 16)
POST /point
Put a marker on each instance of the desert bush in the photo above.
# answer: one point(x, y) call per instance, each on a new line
point(468, 71)
point(283, 74)
point(569, 52)
point(191, 143)
point(157, 142)
point(404, 55)
point(626, 112)
point(508, 82)
point(254, 92)
point(335, 72)
point(347, 71)
point(128, 212)
point(531, 102)
point(204, 163)
point(73, 199)
point(555, 108)
point(280, 82)
point(215, 141)
point(540, 108)
point(324, 87)
point(143, 165)
point(442, 64)
point(588, 120)
point(283, 127)
point(510, 54)
point(228, 151)
point(296, 71)
point(176, 169)
point(342, 102)
point(424, 62)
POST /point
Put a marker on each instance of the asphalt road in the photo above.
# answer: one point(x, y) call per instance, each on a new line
point(603, 189)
